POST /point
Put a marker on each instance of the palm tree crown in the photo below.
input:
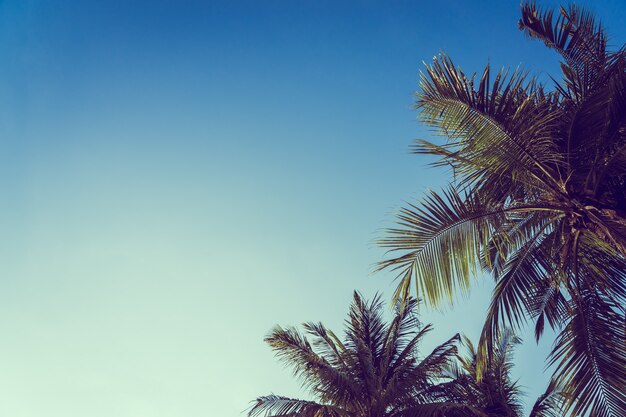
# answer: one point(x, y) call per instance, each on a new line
point(374, 372)
point(539, 201)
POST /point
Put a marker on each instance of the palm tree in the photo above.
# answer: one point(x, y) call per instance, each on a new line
point(496, 393)
point(538, 200)
point(374, 372)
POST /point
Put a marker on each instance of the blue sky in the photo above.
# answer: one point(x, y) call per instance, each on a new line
point(177, 177)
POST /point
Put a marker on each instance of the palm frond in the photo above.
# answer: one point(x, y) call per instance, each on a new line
point(606, 266)
point(550, 403)
point(278, 406)
point(405, 357)
point(401, 337)
point(314, 371)
point(442, 242)
point(501, 127)
point(443, 409)
point(365, 324)
point(326, 342)
point(412, 379)
point(441, 356)
point(590, 355)
point(520, 283)
point(577, 36)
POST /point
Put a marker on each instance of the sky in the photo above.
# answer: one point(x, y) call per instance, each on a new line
point(178, 177)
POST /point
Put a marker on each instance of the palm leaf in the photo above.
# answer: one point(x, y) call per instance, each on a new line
point(550, 403)
point(443, 409)
point(577, 36)
point(500, 127)
point(442, 242)
point(590, 355)
point(278, 406)
point(314, 371)
point(521, 281)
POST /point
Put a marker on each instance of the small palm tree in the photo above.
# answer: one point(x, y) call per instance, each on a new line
point(374, 372)
point(539, 200)
point(495, 393)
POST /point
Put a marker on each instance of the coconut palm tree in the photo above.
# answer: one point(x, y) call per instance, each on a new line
point(374, 372)
point(538, 200)
point(495, 393)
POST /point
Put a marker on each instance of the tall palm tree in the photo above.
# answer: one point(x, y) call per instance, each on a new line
point(496, 393)
point(538, 200)
point(374, 372)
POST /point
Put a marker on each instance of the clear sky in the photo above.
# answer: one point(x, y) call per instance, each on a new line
point(177, 177)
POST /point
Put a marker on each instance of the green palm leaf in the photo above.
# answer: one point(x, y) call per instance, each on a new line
point(590, 355)
point(442, 242)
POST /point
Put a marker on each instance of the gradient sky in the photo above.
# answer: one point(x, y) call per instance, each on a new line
point(177, 177)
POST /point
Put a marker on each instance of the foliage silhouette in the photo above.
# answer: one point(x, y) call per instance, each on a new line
point(539, 201)
point(374, 372)
point(496, 393)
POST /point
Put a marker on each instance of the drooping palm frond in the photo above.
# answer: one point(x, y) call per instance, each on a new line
point(524, 285)
point(278, 406)
point(447, 225)
point(443, 241)
point(590, 354)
